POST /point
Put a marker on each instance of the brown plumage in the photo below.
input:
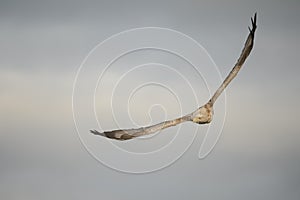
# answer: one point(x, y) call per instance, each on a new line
point(202, 115)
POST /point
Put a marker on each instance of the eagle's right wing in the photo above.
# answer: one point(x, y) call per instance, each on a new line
point(127, 134)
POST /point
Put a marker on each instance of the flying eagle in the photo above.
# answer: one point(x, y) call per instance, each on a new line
point(203, 115)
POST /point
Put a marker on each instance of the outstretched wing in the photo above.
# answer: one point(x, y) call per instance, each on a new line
point(127, 134)
point(245, 53)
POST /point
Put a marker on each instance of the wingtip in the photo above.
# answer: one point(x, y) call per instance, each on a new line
point(253, 20)
point(253, 23)
point(95, 132)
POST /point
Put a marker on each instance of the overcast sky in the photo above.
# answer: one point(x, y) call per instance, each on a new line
point(42, 47)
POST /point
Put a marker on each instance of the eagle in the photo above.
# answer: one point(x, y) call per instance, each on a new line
point(203, 115)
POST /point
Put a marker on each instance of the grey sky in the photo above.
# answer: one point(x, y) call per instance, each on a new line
point(42, 46)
